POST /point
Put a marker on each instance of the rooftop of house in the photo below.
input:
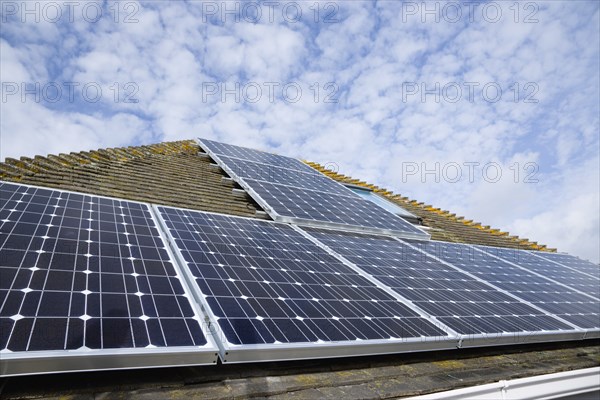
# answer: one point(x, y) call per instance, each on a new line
point(181, 174)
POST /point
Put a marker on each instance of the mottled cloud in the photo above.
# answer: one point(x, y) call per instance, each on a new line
point(374, 87)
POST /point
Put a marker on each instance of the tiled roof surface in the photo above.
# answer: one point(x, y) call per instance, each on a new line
point(171, 174)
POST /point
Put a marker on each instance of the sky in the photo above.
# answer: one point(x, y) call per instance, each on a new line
point(487, 109)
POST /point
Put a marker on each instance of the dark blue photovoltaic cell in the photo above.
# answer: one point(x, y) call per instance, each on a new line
point(461, 302)
point(305, 195)
point(564, 302)
point(266, 283)
point(82, 271)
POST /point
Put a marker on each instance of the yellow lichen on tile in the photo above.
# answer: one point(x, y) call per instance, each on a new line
point(450, 364)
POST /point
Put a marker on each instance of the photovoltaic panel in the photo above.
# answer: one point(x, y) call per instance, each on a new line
point(460, 301)
point(298, 198)
point(258, 156)
point(573, 263)
point(537, 263)
point(278, 295)
point(284, 176)
point(559, 274)
point(304, 205)
point(86, 283)
point(507, 273)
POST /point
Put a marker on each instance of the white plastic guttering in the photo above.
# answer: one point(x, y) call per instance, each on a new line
point(541, 387)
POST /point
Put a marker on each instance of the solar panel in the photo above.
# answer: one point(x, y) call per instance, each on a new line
point(460, 301)
point(561, 273)
point(571, 262)
point(284, 176)
point(302, 206)
point(303, 197)
point(507, 273)
point(275, 294)
point(539, 264)
point(86, 283)
point(258, 156)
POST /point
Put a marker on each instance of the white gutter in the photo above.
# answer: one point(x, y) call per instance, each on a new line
point(541, 387)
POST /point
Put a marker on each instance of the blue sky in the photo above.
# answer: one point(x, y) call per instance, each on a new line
point(384, 91)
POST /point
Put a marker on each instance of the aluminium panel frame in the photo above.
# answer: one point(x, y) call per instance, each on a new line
point(320, 350)
point(308, 222)
point(61, 361)
point(56, 361)
point(233, 353)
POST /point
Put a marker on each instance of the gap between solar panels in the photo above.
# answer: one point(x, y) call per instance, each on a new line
point(292, 192)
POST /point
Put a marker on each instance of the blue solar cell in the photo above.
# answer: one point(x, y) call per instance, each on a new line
point(266, 283)
point(458, 300)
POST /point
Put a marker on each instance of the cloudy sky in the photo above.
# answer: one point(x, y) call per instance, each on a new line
point(489, 110)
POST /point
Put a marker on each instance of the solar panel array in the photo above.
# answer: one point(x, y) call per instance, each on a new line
point(265, 283)
point(81, 272)
point(575, 272)
point(89, 282)
point(460, 301)
point(291, 191)
point(574, 263)
point(513, 272)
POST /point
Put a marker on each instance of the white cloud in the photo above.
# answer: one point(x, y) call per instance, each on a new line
point(565, 213)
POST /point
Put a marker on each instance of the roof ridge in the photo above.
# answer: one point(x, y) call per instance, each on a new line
point(27, 165)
